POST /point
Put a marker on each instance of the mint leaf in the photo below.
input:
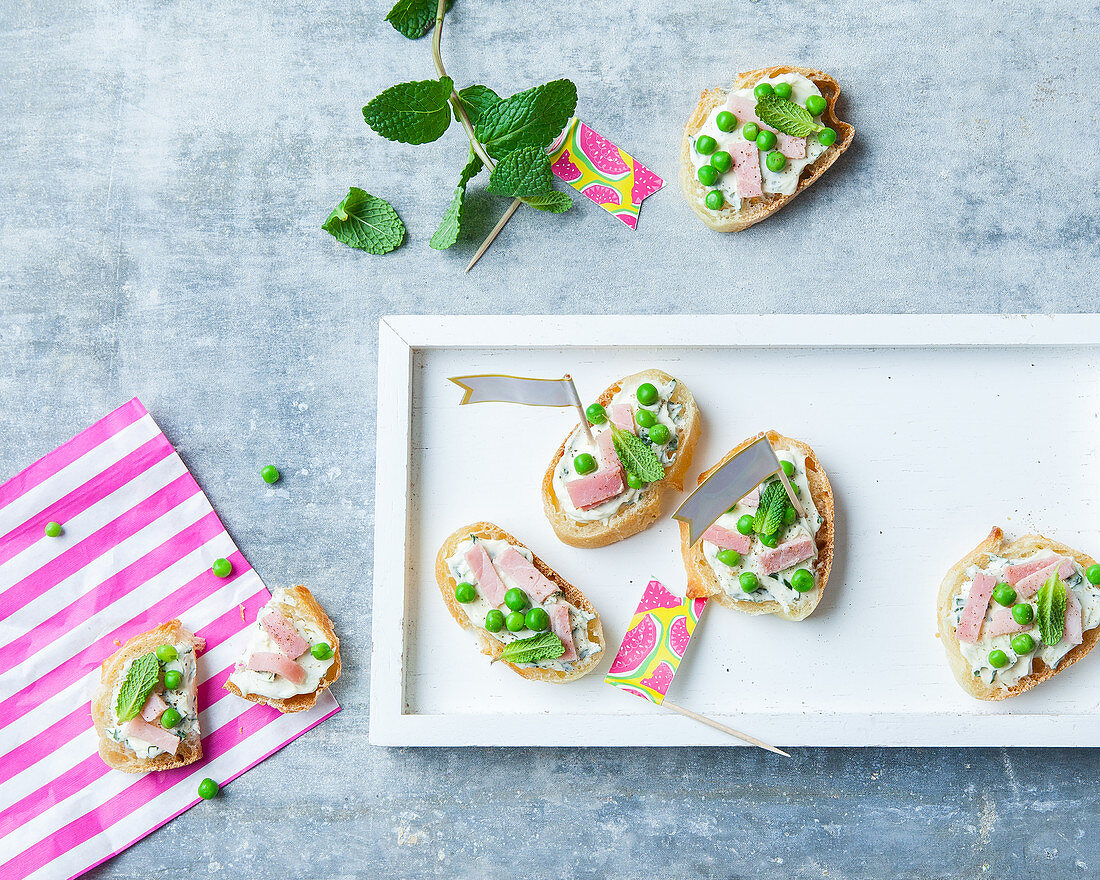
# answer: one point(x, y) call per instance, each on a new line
point(773, 504)
point(544, 646)
point(528, 119)
point(366, 222)
point(477, 99)
point(414, 18)
point(472, 168)
point(636, 456)
point(141, 678)
point(523, 172)
point(451, 224)
point(786, 116)
point(555, 202)
point(411, 112)
point(1051, 602)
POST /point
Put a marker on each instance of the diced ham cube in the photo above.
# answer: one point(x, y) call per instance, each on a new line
point(745, 111)
point(559, 623)
point(604, 483)
point(1031, 584)
point(1003, 624)
point(746, 168)
point(970, 625)
point(785, 555)
point(277, 663)
point(1074, 633)
point(154, 707)
point(727, 539)
point(520, 569)
point(622, 415)
point(489, 583)
point(284, 635)
point(609, 458)
point(153, 734)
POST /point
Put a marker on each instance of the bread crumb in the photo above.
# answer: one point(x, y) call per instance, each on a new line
point(118, 642)
point(242, 611)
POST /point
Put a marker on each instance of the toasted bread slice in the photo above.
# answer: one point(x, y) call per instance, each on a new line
point(701, 579)
point(642, 514)
point(116, 754)
point(760, 208)
point(490, 646)
point(995, 544)
point(297, 605)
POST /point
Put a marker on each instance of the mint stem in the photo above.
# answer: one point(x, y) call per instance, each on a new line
point(460, 111)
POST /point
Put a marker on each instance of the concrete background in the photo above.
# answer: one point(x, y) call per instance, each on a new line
point(164, 170)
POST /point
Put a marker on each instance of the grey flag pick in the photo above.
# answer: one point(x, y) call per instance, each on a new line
point(728, 485)
point(517, 389)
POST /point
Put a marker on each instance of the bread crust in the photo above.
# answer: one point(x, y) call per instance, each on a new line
point(309, 608)
point(760, 208)
point(996, 544)
point(647, 510)
point(115, 754)
point(490, 646)
point(702, 582)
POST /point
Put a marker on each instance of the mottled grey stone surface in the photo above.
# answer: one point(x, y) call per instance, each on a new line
point(164, 169)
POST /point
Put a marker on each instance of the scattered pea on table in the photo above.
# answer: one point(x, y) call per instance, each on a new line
point(222, 568)
point(270, 473)
point(53, 529)
point(208, 789)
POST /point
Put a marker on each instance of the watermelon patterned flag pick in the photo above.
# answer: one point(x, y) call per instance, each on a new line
point(610, 177)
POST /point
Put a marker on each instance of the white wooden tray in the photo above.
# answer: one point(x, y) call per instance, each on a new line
point(932, 430)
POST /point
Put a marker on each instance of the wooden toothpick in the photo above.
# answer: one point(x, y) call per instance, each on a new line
point(496, 231)
point(710, 722)
point(580, 408)
point(790, 493)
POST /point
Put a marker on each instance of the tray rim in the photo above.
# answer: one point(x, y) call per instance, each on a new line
point(402, 337)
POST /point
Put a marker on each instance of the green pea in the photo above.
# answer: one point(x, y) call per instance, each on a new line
point(1023, 613)
point(321, 651)
point(729, 557)
point(634, 482)
point(826, 137)
point(647, 394)
point(747, 524)
point(722, 160)
point(816, 105)
point(715, 200)
point(660, 434)
point(708, 175)
point(998, 659)
point(269, 473)
point(776, 161)
point(725, 121)
point(771, 540)
point(765, 140)
point(494, 620)
point(763, 90)
point(1093, 574)
point(53, 529)
point(596, 414)
point(750, 583)
point(222, 568)
point(170, 718)
point(1003, 594)
point(515, 621)
point(789, 515)
point(537, 619)
point(803, 580)
point(584, 463)
point(172, 679)
point(166, 653)
point(465, 592)
point(788, 468)
point(750, 131)
point(705, 144)
point(645, 418)
point(794, 488)
point(208, 789)
point(516, 599)
point(783, 90)
point(1022, 643)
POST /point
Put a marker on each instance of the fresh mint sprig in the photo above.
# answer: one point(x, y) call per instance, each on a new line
point(141, 678)
point(414, 18)
point(773, 504)
point(786, 116)
point(1051, 603)
point(636, 456)
point(366, 222)
point(544, 646)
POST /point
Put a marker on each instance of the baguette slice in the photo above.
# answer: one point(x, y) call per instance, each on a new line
point(306, 608)
point(641, 515)
point(115, 754)
point(490, 646)
point(760, 208)
point(996, 544)
point(701, 580)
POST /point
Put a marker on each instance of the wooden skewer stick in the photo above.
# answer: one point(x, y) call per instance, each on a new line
point(580, 408)
point(737, 734)
point(496, 231)
point(790, 493)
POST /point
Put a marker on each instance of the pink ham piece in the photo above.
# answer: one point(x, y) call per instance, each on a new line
point(604, 483)
point(488, 581)
point(277, 663)
point(1003, 624)
point(1074, 632)
point(752, 500)
point(154, 707)
point(745, 111)
point(622, 416)
point(786, 555)
point(727, 539)
point(284, 635)
point(970, 624)
point(1016, 573)
point(154, 734)
point(1031, 585)
point(532, 581)
point(559, 623)
point(746, 168)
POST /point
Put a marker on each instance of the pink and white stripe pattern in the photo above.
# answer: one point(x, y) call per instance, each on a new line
point(139, 539)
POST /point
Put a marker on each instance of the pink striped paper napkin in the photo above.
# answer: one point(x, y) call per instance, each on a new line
point(139, 539)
